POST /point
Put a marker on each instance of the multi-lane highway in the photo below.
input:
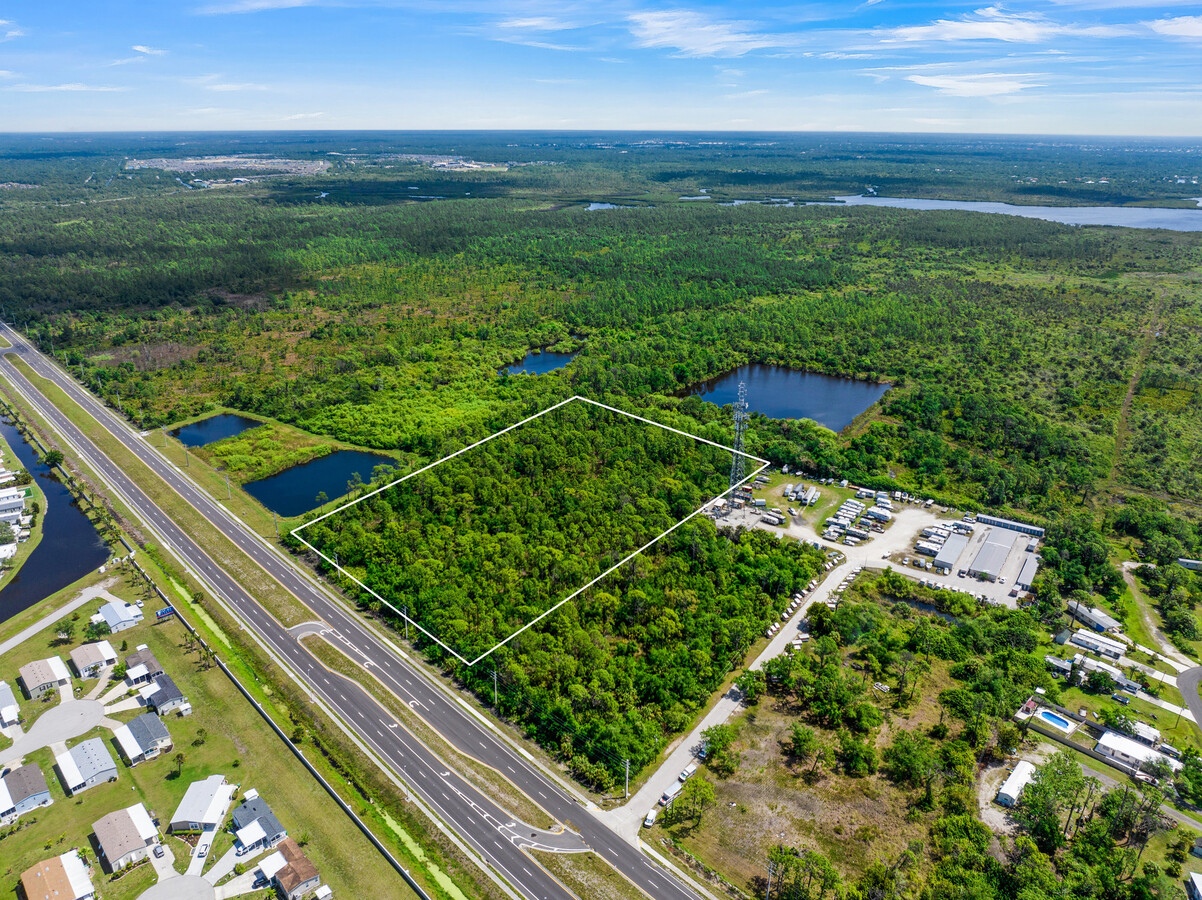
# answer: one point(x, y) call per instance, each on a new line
point(494, 835)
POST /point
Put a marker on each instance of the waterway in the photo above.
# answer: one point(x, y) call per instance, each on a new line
point(540, 363)
point(783, 393)
point(1122, 216)
point(294, 491)
point(70, 545)
point(214, 428)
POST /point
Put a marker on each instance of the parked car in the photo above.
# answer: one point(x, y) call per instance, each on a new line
point(158, 851)
point(202, 853)
point(650, 820)
point(1119, 698)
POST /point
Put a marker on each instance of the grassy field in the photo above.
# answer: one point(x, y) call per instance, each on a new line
point(588, 876)
point(224, 734)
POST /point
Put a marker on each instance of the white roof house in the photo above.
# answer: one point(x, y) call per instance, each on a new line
point(204, 805)
point(1098, 643)
point(1013, 787)
point(1129, 751)
point(1094, 617)
point(119, 616)
point(10, 712)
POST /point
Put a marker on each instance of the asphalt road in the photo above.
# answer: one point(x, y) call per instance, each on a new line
point(495, 835)
point(1187, 683)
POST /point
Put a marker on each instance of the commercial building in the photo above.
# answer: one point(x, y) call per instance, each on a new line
point(1099, 644)
point(86, 765)
point(125, 836)
point(291, 870)
point(10, 712)
point(256, 826)
point(1094, 617)
point(44, 675)
point(118, 616)
point(1010, 525)
point(1013, 787)
point(89, 659)
point(203, 806)
point(1026, 575)
point(22, 790)
point(143, 738)
point(58, 878)
point(992, 555)
point(952, 547)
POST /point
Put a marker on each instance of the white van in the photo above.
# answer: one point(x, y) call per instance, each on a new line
point(689, 772)
point(650, 820)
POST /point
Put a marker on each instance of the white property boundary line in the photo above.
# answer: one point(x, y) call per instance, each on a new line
point(297, 531)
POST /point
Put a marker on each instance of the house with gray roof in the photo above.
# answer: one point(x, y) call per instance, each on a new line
point(43, 675)
point(164, 696)
point(10, 712)
point(142, 738)
point(21, 791)
point(89, 659)
point(142, 666)
point(125, 836)
point(118, 616)
point(256, 826)
point(86, 765)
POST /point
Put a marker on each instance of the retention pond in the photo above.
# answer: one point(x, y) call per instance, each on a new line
point(536, 363)
point(294, 491)
point(214, 428)
point(783, 393)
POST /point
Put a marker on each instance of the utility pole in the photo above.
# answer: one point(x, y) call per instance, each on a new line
point(771, 872)
point(187, 460)
point(119, 406)
point(494, 688)
point(228, 496)
point(627, 779)
point(405, 610)
point(276, 523)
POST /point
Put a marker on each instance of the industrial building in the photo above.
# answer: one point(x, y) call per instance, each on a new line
point(1026, 577)
point(992, 556)
point(950, 551)
point(1010, 525)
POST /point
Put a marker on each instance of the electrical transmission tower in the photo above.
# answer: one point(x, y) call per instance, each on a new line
point(738, 462)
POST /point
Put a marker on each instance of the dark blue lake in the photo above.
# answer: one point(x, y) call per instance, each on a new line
point(214, 428)
point(789, 394)
point(294, 491)
point(540, 363)
point(70, 547)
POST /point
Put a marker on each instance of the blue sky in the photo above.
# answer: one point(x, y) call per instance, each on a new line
point(1107, 67)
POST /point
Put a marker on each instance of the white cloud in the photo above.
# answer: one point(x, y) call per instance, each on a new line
point(149, 51)
point(229, 87)
point(10, 30)
point(535, 23)
point(992, 23)
point(72, 86)
point(249, 6)
point(5, 73)
point(991, 84)
point(692, 33)
point(296, 116)
point(1178, 26)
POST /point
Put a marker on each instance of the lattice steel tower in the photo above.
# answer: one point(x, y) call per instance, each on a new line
point(738, 462)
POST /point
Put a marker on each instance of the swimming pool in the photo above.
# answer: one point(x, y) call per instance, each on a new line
point(1059, 721)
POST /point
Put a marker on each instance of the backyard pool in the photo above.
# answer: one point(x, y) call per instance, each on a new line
point(1056, 721)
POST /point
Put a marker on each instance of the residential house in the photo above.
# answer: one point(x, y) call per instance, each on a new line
point(44, 675)
point(12, 505)
point(1129, 752)
point(142, 666)
point(1089, 664)
point(143, 738)
point(58, 878)
point(163, 696)
point(10, 712)
point(21, 791)
point(118, 616)
point(1013, 787)
point(1103, 646)
point(89, 659)
point(256, 826)
point(1093, 616)
point(291, 870)
point(203, 806)
point(125, 836)
point(86, 765)
point(1194, 886)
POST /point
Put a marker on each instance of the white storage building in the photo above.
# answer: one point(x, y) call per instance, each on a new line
point(1013, 787)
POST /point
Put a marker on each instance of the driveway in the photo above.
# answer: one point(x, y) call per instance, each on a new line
point(197, 862)
point(164, 867)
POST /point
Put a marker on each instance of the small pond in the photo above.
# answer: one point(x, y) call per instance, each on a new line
point(294, 491)
point(70, 547)
point(540, 363)
point(214, 428)
point(596, 205)
point(783, 393)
